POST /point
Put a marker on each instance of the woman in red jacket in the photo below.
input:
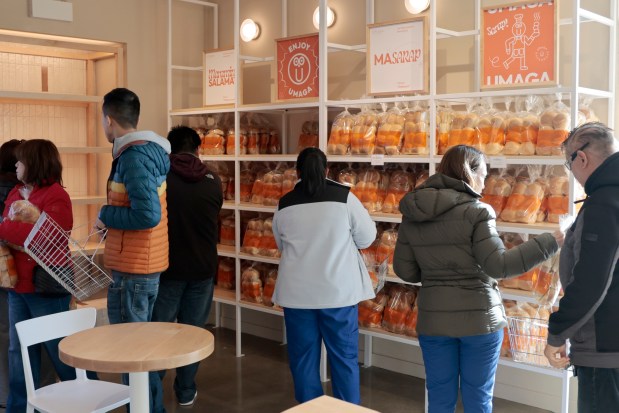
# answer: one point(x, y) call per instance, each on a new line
point(40, 172)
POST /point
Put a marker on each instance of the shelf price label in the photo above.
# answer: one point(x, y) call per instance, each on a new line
point(498, 162)
point(377, 159)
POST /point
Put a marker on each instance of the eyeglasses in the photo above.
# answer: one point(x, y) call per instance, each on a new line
point(568, 163)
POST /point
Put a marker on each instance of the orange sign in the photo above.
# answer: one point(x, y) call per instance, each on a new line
point(519, 45)
point(297, 67)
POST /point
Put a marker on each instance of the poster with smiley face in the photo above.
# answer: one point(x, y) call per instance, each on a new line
point(519, 45)
point(297, 67)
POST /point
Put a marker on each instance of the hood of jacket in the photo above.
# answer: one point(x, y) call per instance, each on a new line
point(189, 167)
point(437, 195)
point(607, 174)
point(138, 138)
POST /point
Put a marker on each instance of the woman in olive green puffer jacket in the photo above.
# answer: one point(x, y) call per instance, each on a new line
point(449, 243)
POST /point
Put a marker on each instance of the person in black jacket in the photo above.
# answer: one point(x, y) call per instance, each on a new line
point(588, 313)
point(8, 179)
point(194, 198)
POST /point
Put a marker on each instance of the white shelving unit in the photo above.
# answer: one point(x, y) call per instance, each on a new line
point(324, 109)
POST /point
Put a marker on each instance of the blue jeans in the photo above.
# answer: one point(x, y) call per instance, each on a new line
point(187, 302)
point(130, 299)
point(24, 307)
point(598, 390)
point(339, 329)
point(468, 363)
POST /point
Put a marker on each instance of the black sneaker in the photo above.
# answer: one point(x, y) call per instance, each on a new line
point(190, 402)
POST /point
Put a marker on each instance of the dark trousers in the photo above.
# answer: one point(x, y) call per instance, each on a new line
point(598, 390)
point(187, 302)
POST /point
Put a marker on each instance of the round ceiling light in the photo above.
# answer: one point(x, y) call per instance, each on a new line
point(416, 6)
point(249, 30)
point(330, 17)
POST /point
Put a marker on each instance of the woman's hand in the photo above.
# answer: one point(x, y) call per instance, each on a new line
point(559, 237)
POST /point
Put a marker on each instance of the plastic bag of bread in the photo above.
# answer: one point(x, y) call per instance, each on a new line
point(251, 285)
point(23, 211)
point(225, 274)
point(264, 138)
point(272, 186)
point(523, 127)
point(554, 127)
point(400, 304)
point(386, 247)
point(213, 143)
point(526, 281)
point(348, 176)
point(269, 287)
point(491, 127)
point(415, 135)
point(420, 176)
point(8, 271)
point(444, 118)
point(231, 141)
point(400, 183)
point(463, 129)
point(558, 193)
point(371, 188)
point(257, 190)
point(267, 245)
point(341, 133)
point(548, 283)
point(289, 180)
point(410, 324)
point(389, 133)
point(253, 139)
point(275, 145)
point(371, 311)
point(247, 179)
point(509, 306)
point(585, 111)
point(309, 136)
point(226, 230)
point(253, 235)
point(526, 198)
point(498, 187)
point(363, 136)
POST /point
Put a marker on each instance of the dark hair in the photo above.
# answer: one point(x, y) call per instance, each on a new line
point(312, 167)
point(183, 139)
point(598, 136)
point(7, 156)
point(123, 106)
point(460, 162)
point(41, 161)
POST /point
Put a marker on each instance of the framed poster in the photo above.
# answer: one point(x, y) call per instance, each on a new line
point(397, 57)
point(219, 77)
point(519, 45)
point(297, 67)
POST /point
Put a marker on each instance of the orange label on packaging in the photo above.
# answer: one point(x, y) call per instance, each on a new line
point(519, 44)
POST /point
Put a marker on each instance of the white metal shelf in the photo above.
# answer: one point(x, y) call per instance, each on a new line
point(258, 258)
point(228, 205)
point(202, 111)
point(384, 159)
point(531, 229)
point(287, 157)
point(246, 206)
point(261, 308)
point(85, 149)
point(278, 107)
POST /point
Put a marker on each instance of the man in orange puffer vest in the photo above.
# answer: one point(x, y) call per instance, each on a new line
point(136, 249)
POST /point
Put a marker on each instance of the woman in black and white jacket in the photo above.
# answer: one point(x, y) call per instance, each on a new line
point(319, 227)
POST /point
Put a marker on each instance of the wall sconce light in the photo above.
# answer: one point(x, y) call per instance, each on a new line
point(249, 30)
point(416, 6)
point(330, 17)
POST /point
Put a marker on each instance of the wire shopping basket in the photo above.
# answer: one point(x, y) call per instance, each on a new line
point(527, 339)
point(65, 259)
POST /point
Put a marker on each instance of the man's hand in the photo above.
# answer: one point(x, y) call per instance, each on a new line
point(557, 356)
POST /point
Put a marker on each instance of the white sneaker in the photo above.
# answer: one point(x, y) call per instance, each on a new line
point(190, 402)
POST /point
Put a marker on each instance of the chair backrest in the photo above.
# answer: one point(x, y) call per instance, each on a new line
point(49, 327)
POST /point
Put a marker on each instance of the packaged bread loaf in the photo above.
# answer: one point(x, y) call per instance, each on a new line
point(231, 140)
point(257, 190)
point(554, 127)
point(253, 140)
point(275, 145)
point(491, 129)
point(415, 136)
point(289, 180)
point(309, 136)
point(410, 324)
point(8, 271)
point(401, 299)
point(247, 179)
point(498, 187)
point(251, 285)
point(400, 183)
point(226, 232)
point(371, 311)
point(267, 245)
point(389, 133)
point(524, 281)
point(371, 188)
point(253, 234)
point(526, 198)
point(348, 176)
point(363, 137)
point(225, 273)
point(523, 127)
point(341, 133)
point(463, 129)
point(386, 247)
point(444, 118)
point(272, 186)
point(269, 287)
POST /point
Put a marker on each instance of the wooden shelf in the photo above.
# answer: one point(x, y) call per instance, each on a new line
point(89, 200)
point(262, 308)
point(221, 295)
point(226, 250)
point(46, 97)
point(258, 258)
point(85, 149)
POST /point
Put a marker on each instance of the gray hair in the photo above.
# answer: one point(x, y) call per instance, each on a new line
point(596, 135)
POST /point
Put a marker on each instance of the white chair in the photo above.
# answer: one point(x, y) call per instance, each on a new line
point(72, 396)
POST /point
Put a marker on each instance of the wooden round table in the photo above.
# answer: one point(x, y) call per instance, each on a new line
point(136, 348)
